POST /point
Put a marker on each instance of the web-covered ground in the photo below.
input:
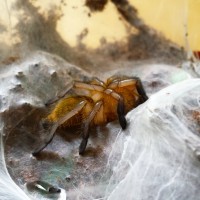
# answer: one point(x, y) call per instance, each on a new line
point(157, 154)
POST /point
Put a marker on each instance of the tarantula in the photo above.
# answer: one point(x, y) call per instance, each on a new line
point(95, 103)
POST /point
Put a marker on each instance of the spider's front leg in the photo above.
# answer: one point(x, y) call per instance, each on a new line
point(141, 90)
point(121, 113)
point(86, 125)
point(120, 107)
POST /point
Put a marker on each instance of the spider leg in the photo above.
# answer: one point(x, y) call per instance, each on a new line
point(98, 81)
point(86, 124)
point(122, 83)
point(59, 96)
point(131, 81)
point(113, 79)
point(87, 86)
point(120, 107)
point(141, 90)
point(53, 128)
point(53, 131)
point(121, 113)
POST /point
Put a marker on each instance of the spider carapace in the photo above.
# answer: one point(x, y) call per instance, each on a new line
point(95, 103)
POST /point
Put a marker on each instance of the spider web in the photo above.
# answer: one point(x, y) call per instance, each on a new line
point(157, 157)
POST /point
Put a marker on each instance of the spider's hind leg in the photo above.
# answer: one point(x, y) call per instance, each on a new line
point(51, 128)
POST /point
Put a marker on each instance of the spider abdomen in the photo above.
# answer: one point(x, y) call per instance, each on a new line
point(65, 106)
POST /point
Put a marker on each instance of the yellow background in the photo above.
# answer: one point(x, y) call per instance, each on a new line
point(173, 18)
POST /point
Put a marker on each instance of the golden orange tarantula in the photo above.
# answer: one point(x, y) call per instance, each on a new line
point(95, 103)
